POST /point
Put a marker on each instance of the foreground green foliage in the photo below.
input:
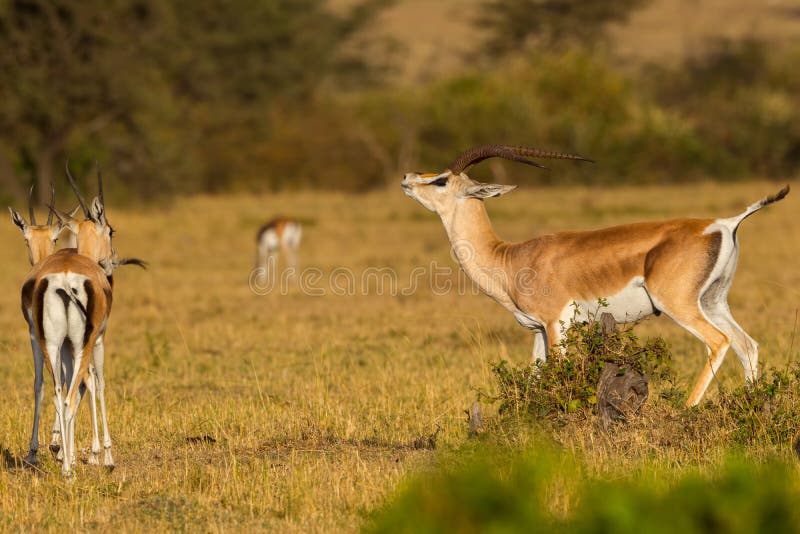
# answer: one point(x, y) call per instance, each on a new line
point(567, 382)
point(563, 390)
point(540, 491)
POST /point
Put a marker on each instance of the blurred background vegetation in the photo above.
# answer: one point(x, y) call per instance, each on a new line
point(180, 97)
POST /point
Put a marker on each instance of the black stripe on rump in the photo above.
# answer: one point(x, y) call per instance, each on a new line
point(39, 300)
point(712, 255)
point(90, 303)
point(27, 298)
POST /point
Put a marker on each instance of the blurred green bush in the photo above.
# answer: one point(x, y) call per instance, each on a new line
point(545, 492)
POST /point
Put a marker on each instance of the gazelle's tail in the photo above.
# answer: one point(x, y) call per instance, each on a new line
point(734, 222)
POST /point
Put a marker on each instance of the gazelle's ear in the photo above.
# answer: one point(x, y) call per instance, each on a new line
point(97, 211)
point(486, 190)
point(17, 219)
point(65, 220)
point(56, 228)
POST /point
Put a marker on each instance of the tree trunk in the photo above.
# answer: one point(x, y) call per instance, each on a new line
point(12, 184)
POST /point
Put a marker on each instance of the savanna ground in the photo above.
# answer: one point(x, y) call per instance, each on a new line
point(297, 412)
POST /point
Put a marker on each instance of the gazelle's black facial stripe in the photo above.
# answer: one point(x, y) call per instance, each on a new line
point(440, 182)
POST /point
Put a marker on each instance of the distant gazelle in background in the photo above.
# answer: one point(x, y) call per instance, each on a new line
point(682, 267)
point(280, 235)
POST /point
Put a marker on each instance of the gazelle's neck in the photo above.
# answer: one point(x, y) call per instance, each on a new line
point(475, 245)
point(468, 222)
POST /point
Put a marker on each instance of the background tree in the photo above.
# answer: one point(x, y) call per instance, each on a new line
point(514, 23)
point(176, 93)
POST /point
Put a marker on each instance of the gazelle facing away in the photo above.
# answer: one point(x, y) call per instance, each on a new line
point(281, 234)
point(67, 298)
point(681, 267)
point(40, 240)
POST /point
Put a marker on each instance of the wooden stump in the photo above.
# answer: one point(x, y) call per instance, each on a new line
point(475, 419)
point(620, 394)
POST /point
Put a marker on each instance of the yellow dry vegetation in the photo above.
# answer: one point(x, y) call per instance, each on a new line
point(294, 412)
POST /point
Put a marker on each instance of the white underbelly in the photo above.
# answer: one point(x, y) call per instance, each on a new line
point(629, 305)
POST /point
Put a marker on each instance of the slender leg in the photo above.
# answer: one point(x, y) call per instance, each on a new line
point(539, 346)
point(91, 384)
point(38, 394)
point(717, 343)
point(553, 337)
point(53, 348)
point(67, 368)
point(291, 260)
point(262, 255)
point(745, 347)
point(99, 357)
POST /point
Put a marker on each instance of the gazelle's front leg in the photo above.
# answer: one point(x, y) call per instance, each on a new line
point(291, 260)
point(38, 395)
point(99, 357)
point(539, 346)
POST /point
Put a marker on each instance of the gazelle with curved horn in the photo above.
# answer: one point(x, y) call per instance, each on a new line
point(69, 295)
point(40, 240)
point(683, 267)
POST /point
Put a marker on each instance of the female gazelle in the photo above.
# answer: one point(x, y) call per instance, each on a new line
point(281, 234)
point(682, 267)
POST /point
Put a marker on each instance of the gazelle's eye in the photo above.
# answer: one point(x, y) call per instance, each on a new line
point(440, 182)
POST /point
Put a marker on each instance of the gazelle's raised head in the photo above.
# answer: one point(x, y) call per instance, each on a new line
point(40, 239)
point(93, 234)
point(441, 192)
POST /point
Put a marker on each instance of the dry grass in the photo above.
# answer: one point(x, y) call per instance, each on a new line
point(313, 404)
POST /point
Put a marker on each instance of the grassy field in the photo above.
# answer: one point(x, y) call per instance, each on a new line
point(300, 412)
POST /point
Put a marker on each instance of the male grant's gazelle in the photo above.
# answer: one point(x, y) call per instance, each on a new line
point(681, 267)
point(281, 234)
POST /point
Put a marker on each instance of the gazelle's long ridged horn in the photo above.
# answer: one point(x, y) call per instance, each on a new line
point(100, 185)
point(476, 154)
point(30, 206)
point(82, 202)
point(52, 203)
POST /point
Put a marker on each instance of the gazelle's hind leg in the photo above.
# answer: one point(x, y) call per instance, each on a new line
point(714, 302)
point(684, 308)
point(745, 347)
point(716, 341)
point(700, 259)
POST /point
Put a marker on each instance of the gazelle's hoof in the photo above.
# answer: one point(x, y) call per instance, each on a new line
point(32, 458)
point(108, 460)
point(55, 448)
